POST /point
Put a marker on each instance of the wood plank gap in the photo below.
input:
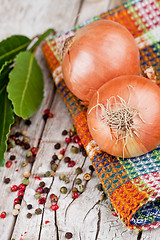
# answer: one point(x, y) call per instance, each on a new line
point(78, 13)
point(139, 235)
point(98, 224)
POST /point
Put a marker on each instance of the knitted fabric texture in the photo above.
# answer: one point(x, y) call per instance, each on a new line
point(133, 185)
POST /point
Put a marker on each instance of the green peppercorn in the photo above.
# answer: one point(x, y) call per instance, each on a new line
point(25, 181)
point(38, 211)
point(11, 142)
point(67, 180)
point(23, 164)
point(73, 129)
point(62, 177)
point(26, 139)
point(48, 174)
point(63, 190)
point(79, 170)
point(81, 188)
point(78, 181)
point(29, 154)
point(54, 167)
point(74, 149)
point(74, 189)
point(37, 195)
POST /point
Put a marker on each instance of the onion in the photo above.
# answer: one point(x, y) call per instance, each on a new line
point(124, 116)
point(97, 53)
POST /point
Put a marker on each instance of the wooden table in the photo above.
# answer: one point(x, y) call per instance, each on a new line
point(86, 217)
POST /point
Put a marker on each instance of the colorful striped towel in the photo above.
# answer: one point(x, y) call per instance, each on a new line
point(133, 185)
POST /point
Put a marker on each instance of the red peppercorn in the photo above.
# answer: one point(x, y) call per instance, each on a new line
point(75, 195)
point(8, 164)
point(46, 111)
point(16, 201)
point(3, 215)
point(71, 163)
point(22, 187)
point(63, 151)
point(68, 139)
point(20, 193)
point(39, 189)
point(54, 207)
point(76, 139)
point(34, 151)
point(114, 214)
point(14, 188)
point(53, 198)
point(50, 115)
point(80, 143)
point(42, 200)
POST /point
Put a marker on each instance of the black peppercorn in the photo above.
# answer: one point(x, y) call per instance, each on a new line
point(27, 122)
point(38, 211)
point(91, 168)
point(6, 180)
point(46, 190)
point(54, 157)
point(31, 159)
point(12, 157)
point(26, 146)
point(57, 146)
point(29, 215)
point(67, 159)
point(42, 184)
point(64, 132)
point(29, 206)
point(18, 142)
point(68, 235)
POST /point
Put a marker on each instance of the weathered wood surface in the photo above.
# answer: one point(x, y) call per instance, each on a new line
point(85, 217)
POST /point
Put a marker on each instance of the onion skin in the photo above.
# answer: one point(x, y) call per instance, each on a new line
point(140, 95)
point(99, 52)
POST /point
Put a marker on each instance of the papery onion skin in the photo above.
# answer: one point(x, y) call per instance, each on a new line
point(142, 97)
point(99, 52)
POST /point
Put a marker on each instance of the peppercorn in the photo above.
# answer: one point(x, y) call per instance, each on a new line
point(78, 181)
point(42, 200)
point(71, 163)
point(81, 188)
point(42, 184)
point(48, 174)
point(87, 176)
point(17, 206)
point(17, 134)
point(27, 174)
point(37, 195)
point(29, 206)
point(46, 190)
point(27, 122)
point(54, 157)
point(62, 177)
point(29, 215)
point(63, 190)
point(68, 235)
point(15, 212)
point(12, 157)
point(11, 142)
point(79, 170)
point(53, 198)
point(67, 159)
point(64, 132)
point(18, 142)
point(45, 116)
point(54, 167)
point(60, 156)
point(24, 132)
point(66, 180)
point(71, 133)
point(84, 153)
point(74, 189)
point(52, 161)
point(38, 211)
point(6, 180)
point(26, 139)
point(57, 146)
point(26, 146)
point(31, 159)
point(74, 149)
point(25, 181)
point(23, 164)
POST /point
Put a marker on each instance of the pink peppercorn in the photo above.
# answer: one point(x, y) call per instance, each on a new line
point(16, 201)
point(20, 193)
point(80, 143)
point(34, 151)
point(8, 164)
point(53, 198)
point(76, 139)
point(68, 139)
point(3, 215)
point(63, 151)
point(42, 200)
point(54, 207)
point(50, 115)
point(14, 188)
point(71, 163)
point(21, 187)
point(114, 214)
point(75, 195)
point(39, 189)
point(46, 111)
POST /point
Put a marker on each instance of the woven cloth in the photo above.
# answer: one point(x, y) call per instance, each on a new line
point(133, 185)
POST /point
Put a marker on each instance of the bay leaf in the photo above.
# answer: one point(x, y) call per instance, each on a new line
point(6, 120)
point(11, 46)
point(25, 87)
point(4, 71)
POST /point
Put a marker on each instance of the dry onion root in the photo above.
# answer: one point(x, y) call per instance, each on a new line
point(124, 115)
point(97, 53)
